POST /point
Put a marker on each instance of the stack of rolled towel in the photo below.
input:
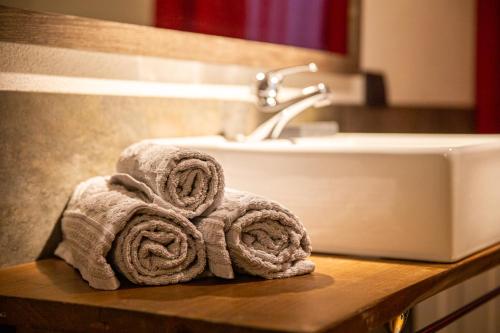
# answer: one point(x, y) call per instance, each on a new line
point(166, 217)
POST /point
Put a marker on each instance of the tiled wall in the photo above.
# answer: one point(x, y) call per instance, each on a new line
point(50, 142)
point(484, 319)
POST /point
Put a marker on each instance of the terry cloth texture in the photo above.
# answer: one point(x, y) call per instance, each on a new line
point(190, 182)
point(255, 236)
point(108, 226)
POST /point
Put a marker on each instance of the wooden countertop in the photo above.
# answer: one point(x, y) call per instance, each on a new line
point(345, 294)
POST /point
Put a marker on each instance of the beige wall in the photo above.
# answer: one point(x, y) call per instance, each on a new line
point(126, 11)
point(425, 47)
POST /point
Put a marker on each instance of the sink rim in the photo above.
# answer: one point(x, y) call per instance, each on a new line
point(383, 143)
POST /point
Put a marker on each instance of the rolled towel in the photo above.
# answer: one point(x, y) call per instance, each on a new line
point(190, 182)
point(256, 236)
point(107, 226)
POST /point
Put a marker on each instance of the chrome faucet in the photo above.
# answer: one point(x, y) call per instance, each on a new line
point(268, 86)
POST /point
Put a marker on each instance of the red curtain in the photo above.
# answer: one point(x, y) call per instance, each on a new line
point(214, 17)
point(336, 26)
point(320, 24)
point(488, 66)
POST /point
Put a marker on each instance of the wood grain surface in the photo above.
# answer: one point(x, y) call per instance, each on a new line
point(66, 31)
point(344, 294)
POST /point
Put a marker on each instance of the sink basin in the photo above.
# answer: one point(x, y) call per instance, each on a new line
point(409, 196)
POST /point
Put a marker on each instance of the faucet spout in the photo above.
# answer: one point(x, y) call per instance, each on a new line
point(268, 85)
point(318, 96)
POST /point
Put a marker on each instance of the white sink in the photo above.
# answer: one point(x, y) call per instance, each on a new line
point(426, 197)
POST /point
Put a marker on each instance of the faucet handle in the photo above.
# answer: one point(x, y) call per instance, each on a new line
point(280, 74)
point(269, 83)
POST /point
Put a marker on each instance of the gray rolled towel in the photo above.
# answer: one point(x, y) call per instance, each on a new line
point(190, 182)
point(107, 227)
point(255, 236)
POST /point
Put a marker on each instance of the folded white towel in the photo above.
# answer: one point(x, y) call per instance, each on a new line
point(108, 225)
point(256, 236)
point(190, 182)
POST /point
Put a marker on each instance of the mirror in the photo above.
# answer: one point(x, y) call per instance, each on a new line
point(326, 25)
point(318, 24)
